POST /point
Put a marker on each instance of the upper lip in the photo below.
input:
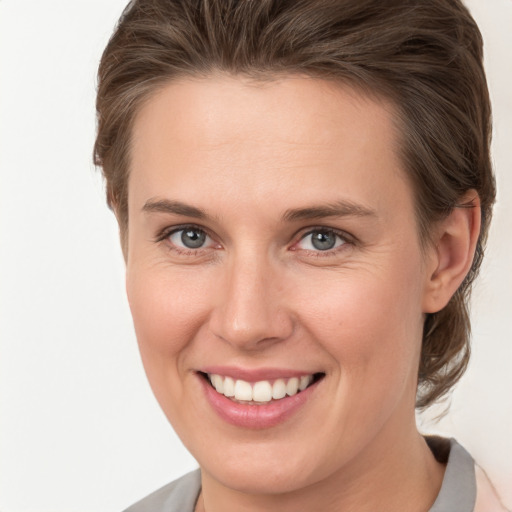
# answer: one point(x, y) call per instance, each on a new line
point(254, 374)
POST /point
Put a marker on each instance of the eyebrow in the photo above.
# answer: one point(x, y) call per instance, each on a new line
point(173, 207)
point(337, 209)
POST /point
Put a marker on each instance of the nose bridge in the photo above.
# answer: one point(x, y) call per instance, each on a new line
point(251, 308)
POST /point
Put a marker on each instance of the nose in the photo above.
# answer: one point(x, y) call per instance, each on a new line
point(251, 310)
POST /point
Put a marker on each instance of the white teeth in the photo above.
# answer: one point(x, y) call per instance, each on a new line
point(218, 383)
point(262, 391)
point(305, 381)
point(243, 390)
point(279, 389)
point(229, 386)
point(292, 386)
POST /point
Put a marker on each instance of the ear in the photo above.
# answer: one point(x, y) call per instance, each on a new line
point(453, 249)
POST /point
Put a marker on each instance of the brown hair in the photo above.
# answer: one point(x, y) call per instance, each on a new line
point(423, 55)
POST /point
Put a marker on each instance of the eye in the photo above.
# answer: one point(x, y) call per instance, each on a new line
point(189, 238)
point(321, 239)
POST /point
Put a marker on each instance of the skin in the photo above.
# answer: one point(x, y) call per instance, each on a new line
point(259, 294)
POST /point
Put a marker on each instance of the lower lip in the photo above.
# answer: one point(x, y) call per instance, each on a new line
point(256, 416)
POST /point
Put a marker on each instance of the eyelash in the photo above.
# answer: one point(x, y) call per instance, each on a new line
point(348, 240)
point(166, 233)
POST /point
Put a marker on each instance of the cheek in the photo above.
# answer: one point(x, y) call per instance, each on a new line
point(167, 310)
point(371, 324)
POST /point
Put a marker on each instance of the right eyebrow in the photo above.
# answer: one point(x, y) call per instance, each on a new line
point(173, 207)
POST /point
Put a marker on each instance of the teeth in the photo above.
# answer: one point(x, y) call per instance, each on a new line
point(305, 382)
point(262, 391)
point(292, 387)
point(279, 389)
point(229, 386)
point(243, 390)
point(218, 383)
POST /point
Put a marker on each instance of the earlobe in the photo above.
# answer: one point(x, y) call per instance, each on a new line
point(453, 251)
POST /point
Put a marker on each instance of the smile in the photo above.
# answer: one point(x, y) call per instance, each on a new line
point(260, 392)
point(257, 403)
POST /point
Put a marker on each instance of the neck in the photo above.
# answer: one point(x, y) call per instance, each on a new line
point(391, 471)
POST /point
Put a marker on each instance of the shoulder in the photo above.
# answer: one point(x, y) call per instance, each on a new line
point(465, 485)
point(178, 496)
point(487, 499)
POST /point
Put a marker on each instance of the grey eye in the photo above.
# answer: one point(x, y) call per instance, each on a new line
point(321, 240)
point(193, 238)
point(189, 238)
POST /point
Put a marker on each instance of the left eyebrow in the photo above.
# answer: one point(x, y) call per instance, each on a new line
point(337, 209)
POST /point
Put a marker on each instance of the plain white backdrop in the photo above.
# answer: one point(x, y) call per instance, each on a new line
point(79, 428)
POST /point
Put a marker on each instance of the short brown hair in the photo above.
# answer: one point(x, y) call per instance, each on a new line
point(423, 55)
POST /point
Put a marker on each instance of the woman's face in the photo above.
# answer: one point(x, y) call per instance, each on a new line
point(272, 236)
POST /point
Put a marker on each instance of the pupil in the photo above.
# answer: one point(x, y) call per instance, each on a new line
point(192, 238)
point(323, 240)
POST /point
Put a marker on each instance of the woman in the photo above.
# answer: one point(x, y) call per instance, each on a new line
point(303, 191)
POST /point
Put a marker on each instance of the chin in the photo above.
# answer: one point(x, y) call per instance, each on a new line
point(267, 468)
point(270, 477)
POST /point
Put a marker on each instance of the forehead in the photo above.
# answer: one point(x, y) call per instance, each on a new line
point(227, 134)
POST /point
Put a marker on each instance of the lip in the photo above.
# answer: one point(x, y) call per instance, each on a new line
point(256, 416)
point(254, 375)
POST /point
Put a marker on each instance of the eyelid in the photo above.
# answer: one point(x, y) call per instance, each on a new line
point(346, 237)
point(166, 232)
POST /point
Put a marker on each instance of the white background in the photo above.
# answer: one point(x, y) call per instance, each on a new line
point(79, 427)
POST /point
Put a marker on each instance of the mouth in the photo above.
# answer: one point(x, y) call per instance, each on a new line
point(262, 392)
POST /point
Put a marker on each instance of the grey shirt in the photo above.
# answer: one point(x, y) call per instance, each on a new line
point(457, 494)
